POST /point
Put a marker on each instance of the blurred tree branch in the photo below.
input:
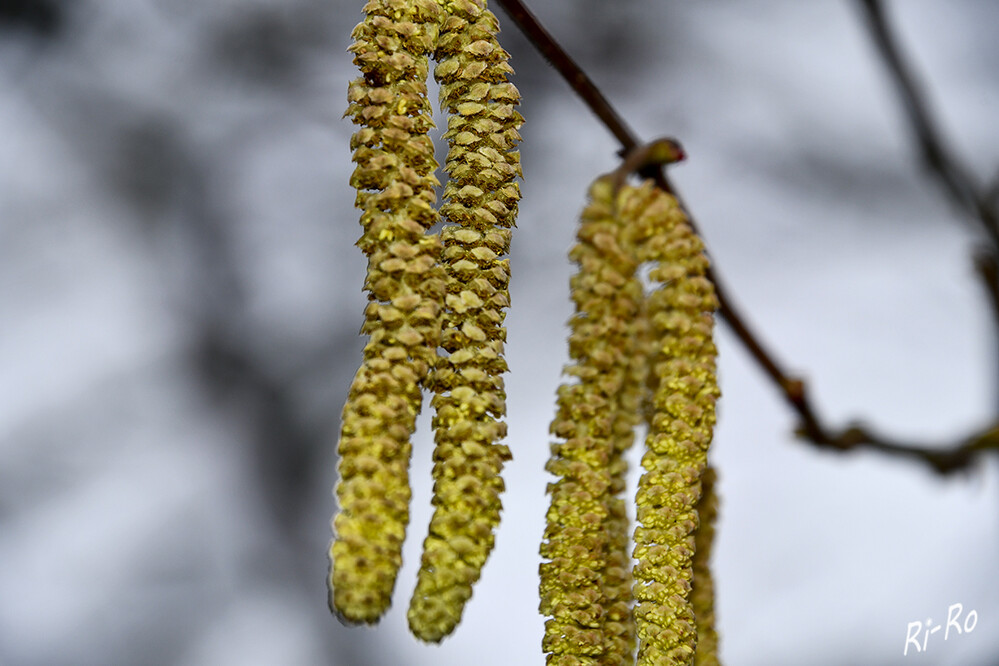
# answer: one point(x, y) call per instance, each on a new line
point(956, 180)
point(978, 202)
point(959, 186)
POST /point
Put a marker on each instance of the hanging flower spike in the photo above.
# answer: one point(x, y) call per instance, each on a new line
point(395, 182)
point(617, 579)
point(702, 594)
point(586, 533)
point(680, 312)
point(619, 629)
point(481, 202)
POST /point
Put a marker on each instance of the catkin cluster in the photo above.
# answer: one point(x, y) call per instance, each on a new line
point(633, 355)
point(426, 294)
point(435, 321)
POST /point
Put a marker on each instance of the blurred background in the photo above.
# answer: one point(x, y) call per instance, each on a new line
point(180, 300)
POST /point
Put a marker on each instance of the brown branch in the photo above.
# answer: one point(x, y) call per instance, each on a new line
point(942, 459)
point(570, 71)
point(794, 389)
point(988, 269)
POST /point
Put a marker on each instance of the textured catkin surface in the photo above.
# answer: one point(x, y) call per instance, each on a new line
point(702, 596)
point(395, 183)
point(617, 579)
point(479, 210)
point(680, 315)
point(585, 578)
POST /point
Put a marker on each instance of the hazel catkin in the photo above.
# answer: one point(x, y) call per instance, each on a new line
point(480, 206)
point(395, 184)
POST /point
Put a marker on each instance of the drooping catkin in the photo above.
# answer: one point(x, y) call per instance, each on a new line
point(680, 313)
point(395, 184)
point(480, 204)
point(585, 575)
point(702, 594)
point(617, 580)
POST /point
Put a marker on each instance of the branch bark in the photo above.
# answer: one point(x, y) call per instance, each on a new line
point(941, 459)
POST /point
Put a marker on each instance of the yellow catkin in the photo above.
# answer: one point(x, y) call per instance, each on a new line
point(617, 579)
point(680, 314)
point(481, 199)
point(395, 191)
point(585, 577)
point(702, 594)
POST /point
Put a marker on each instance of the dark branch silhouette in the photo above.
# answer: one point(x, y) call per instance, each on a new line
point(960, 187)
point(943, 459)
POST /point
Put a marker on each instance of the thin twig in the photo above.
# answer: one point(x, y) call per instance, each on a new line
point(570, 71)
point(988, 270)
point(978, 202)
point(953, 176)
point(794, 389)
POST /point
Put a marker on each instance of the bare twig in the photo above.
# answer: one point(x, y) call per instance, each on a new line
point(978, 202)
point(942, 459)
point(988, 270)
point(570, 71)
point(953, 176)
